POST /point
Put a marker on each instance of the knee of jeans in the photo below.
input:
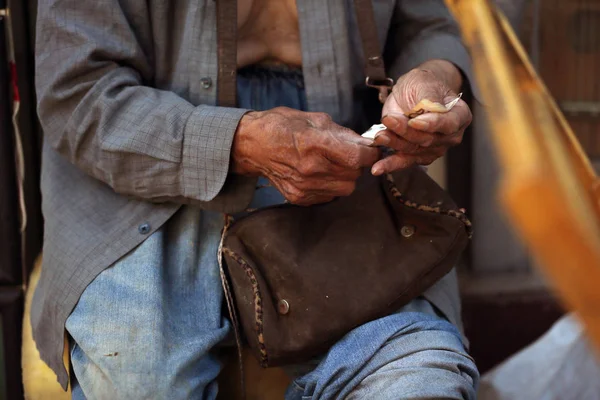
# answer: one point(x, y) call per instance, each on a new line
point(429, 370)
point(418, 383)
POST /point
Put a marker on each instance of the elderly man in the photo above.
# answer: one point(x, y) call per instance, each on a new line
point(139, 163)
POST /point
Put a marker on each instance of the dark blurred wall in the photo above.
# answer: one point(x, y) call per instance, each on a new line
point(17, 250)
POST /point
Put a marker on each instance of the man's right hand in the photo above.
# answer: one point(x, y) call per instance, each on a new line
point(306, 156)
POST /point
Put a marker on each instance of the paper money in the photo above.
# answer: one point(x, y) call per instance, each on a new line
point(451, 104)
point(374, 130)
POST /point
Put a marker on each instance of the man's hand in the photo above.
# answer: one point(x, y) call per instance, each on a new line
point(306, 156)
point(423, 139)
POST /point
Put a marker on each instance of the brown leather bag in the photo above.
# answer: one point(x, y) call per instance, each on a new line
point(302, 277)
point(297, 278)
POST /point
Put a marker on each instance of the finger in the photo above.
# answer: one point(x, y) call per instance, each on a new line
point(395, 122)
point(392, 103)
point(435, 139)
point(415, 137)
point(447, 123)
point(397, 162)
point(350, 155)
point(364, 157)
point(344, 147)
point(439, 142)
point(389, 139)
point(434, 91)
point(347, 136)
point(392, 163)
point(446, 141)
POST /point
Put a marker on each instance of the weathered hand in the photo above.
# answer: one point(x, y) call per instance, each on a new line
point(306, 156)
point(423, 139)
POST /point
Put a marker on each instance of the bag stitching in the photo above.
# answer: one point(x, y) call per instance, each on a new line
point(438, 210)
point(258, 307)
point(391, 183)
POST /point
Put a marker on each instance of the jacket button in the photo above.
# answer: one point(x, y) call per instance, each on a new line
point(407, 231)
point(206, 82)
point(144, 228)
point(283, 307)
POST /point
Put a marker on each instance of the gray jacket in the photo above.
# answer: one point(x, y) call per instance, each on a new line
point(126, 92)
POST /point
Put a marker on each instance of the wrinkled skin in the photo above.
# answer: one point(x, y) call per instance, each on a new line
point(310, 159)
point(425, 138)
point(306, 156)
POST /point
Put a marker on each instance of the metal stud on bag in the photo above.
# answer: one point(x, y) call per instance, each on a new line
point(283, 307)
point(407, 231)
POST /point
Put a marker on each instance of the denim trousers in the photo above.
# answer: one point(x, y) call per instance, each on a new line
point(153, 325)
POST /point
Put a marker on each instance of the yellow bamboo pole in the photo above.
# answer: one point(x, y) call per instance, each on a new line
point(549, 189)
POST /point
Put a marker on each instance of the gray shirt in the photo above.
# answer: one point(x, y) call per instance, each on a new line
point(127, 93)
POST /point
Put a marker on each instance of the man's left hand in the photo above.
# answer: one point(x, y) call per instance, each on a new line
point(425, 138)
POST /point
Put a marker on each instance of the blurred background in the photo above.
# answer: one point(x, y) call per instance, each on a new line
point(506, 303)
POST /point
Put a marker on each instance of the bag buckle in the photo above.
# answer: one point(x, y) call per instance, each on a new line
point(384, 86)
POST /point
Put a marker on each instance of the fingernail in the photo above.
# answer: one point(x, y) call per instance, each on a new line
point(376, 170)
point(390, 122)
point(382, 139)
point(418, 124)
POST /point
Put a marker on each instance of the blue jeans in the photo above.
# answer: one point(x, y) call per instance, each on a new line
point(153, 325)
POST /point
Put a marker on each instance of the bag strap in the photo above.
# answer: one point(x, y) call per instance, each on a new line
point(376, 76)
point(231, 305)
point(226, 97)
point(226, 52)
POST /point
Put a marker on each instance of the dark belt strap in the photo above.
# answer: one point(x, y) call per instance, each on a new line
point(374, 65)
point(227, 52)
point(226, 97)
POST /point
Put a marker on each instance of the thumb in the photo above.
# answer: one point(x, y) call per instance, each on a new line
point(392, 116)
point(391, 105)
point(434, 91)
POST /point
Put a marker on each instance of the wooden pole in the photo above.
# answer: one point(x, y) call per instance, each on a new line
point(549, 189)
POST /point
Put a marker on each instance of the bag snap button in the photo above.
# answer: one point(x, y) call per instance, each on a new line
point(283, 307)
point(407, 231)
